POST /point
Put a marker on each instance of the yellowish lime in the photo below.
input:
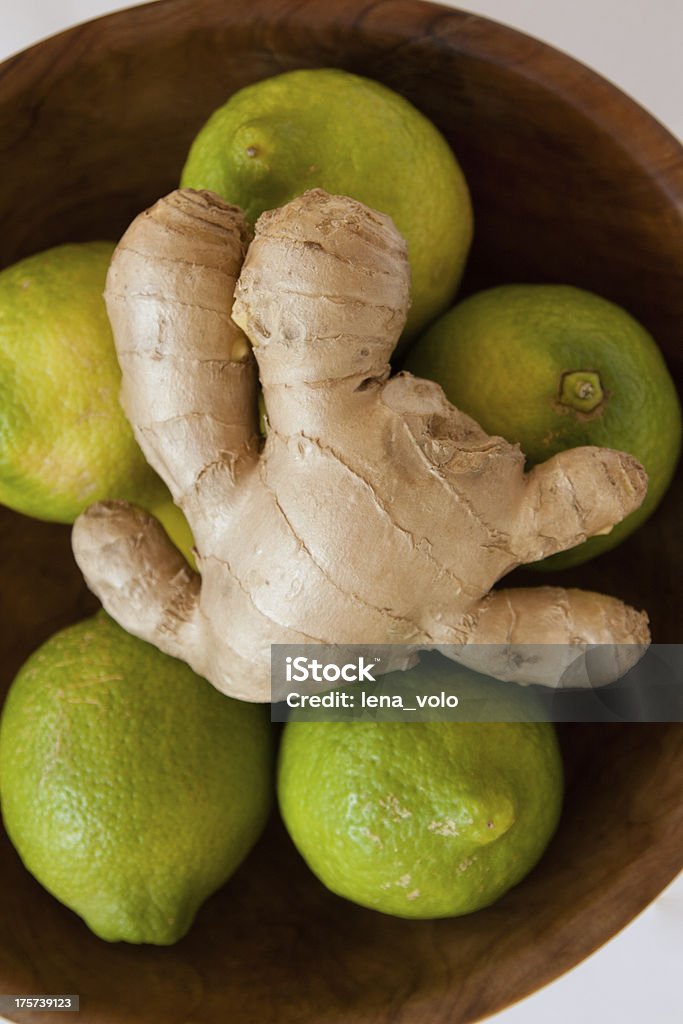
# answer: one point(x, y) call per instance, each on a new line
point(178, 529)
point(423, 819)
point(130, 787)
point(554, 367)
point(352, 136)
point(64, 440)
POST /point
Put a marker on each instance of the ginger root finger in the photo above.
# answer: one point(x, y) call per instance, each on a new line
point(553, 636)
point(323, 293)
point(189, 377)
point(574, 495)
point(140, 577)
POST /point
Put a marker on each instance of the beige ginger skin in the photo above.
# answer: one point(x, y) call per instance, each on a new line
point(374, 512)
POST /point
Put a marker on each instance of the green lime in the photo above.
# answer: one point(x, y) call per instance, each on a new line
point(554, 367)
point(64, 440)
point(330, 129)
point(178, 529)
point(130, 787)
point(424, 819)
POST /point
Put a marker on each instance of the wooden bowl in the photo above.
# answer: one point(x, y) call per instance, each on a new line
point(572, 182)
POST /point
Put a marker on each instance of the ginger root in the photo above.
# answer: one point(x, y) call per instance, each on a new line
point(374, 512)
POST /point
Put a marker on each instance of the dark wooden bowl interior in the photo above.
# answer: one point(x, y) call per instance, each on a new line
point(572, 182)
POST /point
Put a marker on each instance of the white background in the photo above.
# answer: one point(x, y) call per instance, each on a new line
point(638, 44)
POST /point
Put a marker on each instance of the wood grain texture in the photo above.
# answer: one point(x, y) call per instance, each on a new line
point(572, 182)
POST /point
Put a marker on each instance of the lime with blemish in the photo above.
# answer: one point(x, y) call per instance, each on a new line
point(554, 367)
point(423, 819)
